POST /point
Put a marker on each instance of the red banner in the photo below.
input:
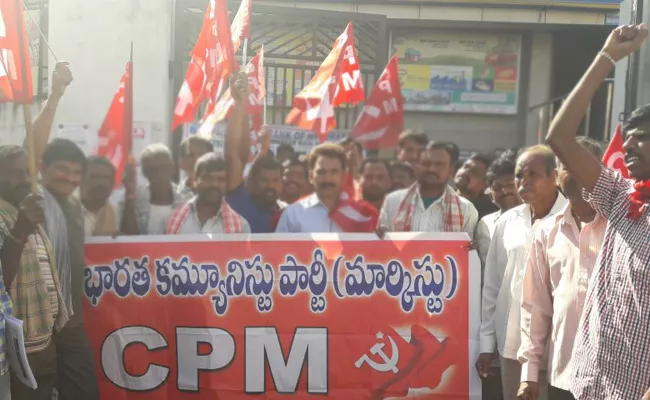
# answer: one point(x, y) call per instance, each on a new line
point(231, 318)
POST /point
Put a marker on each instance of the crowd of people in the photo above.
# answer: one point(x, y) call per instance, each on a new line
point(563, 241)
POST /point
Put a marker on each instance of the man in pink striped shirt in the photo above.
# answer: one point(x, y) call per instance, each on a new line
point(560, 263)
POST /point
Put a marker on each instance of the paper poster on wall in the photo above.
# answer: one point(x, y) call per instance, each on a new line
point(458, 72)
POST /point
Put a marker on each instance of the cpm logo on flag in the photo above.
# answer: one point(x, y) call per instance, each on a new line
point(382, 118)
point(337, 81)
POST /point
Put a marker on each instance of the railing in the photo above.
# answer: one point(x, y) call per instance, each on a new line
point(545, 111)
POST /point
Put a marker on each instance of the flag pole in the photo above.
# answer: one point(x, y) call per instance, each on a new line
point(128, 124)
point(38, 29)
point(27, 110)
point(244, 53)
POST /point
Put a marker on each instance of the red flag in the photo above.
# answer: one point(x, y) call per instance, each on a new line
point(355, 216)
point(213, 58)
point(352, 188)
point(15, 65)
point(115, 134)
point(338, 80)
point(241, 25)
point(382, 118)
point(226, 103)
point(435, 357)
point(350, 85)
point(614, 157)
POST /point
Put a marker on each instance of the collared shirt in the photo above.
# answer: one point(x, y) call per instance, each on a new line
point(484, 232)
point(259, 219)
point(611, 357)
point(307, 215)
point(431, 219)
point(5, 311)
point(557, 276)
point(143, 206)
point(192, 224)
point(504, 273)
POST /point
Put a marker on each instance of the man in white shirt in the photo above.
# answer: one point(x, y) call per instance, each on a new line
point(535, 178)
point(329, 209)
point(146, 209)
point(501, 181)
point(327, 164)
point(208, 212)
point(430, 205)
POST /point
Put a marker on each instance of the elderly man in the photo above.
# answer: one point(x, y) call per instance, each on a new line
point(146, 209)
point(561, 260)
point(535, 178)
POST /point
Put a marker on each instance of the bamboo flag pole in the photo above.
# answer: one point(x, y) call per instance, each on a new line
point(244, 54)
point(27, 108)
point(40, 32)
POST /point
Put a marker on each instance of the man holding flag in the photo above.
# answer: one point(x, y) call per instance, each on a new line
point(62, 165)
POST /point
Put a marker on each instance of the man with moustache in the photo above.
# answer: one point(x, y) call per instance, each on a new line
point(322, 210)
point(207, 212)
point(611, 357)
point(535, 178)
point(375, 181)
point(29, 273)
point(470, 183)
point(501, 181)
point(295, 181)
point(62, 165)
point(562, 257)
point(430, 205)
point(100, 218)
point(258, 199)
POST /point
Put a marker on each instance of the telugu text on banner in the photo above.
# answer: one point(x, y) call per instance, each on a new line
point(230, 317)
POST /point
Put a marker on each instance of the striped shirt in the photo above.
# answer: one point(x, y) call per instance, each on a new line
point(611, 355)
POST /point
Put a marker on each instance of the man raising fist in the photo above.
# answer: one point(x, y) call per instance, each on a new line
point(611, 358)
